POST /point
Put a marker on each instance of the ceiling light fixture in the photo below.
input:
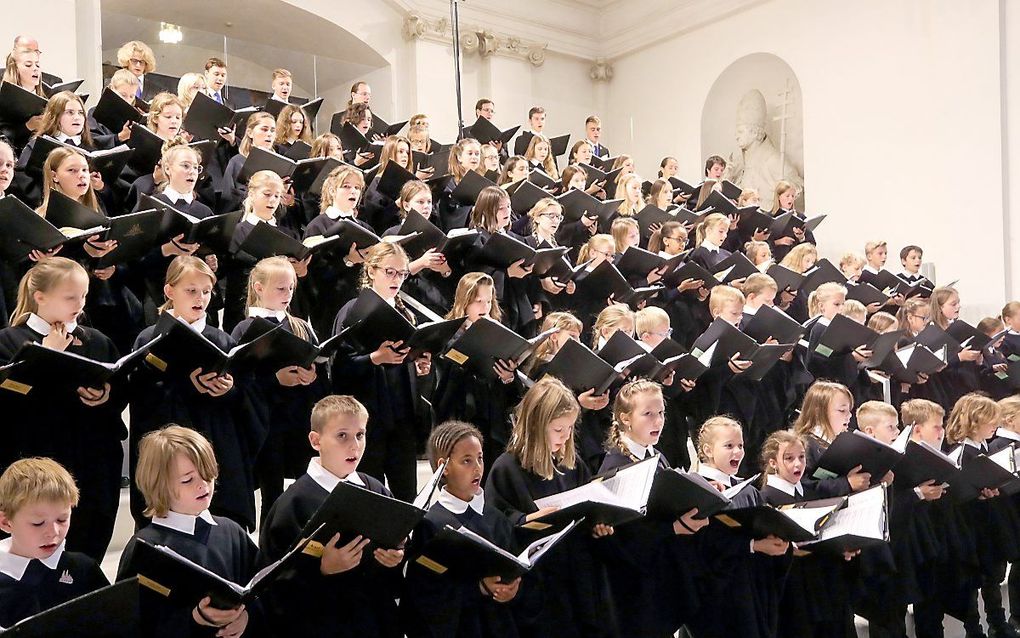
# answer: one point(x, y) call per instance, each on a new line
point(170, 33)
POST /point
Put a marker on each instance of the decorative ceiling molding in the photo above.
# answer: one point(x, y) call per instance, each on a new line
point(583, 29)
point(484, 42)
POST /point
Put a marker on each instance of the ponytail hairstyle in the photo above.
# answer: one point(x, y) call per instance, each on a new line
point(882, 322)
point(485, 213)
point(508, 169)
point(335, 180)
point(822, 294)
point(261, 179)
point(710, 430)
point(43, 277)
point(171, 149)
point(771, 448)
point(1010, 311)
point(283, 125)
point(620, 228)
point(445, 437)
point(320, 147)
point(254, 120)
point(657, 243)
point(796, 259)
point(662, 164)
point(544, 402)
point(54, 161)
point(467, 291)
point(181, 267)
point(544, 353)
point(409, 191)
point(625, 403)
point(814, 411)
point(389, 153)
point(374, 257)
point(910, 307)
point(971, 412)
point(613, 316)
point(758, 252)
point(606, 242)
point(939, 297)
point(462, 146)
point(11, 70)
point(658, 187)
point(263, 274)
point(711, 220)
point(55, 109)
point(568, 176)
point(549, 163)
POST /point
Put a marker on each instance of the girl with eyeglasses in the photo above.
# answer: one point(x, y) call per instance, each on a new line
point(386, 381)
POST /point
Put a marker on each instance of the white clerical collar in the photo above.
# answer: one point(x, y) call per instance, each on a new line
point(784, 486)
point(1012, 332)
point(184, 523)
point(637, 450)
point(601, 343)
point(75, 139)
point(175, 196)
point(335, 213)
point(819, 432)
point(326, 479)
point(714, 474)
point(15, 566)
point(707, 245)
point(1003, 433)
point(281, 99)
point(253, 219)
point(824, 321)
point(457, 506)
point(871, 269)
point(198, 326)
point(748, 310)
point(43, 327)
point(266, 313)
point(974, 444)
point(911, 275)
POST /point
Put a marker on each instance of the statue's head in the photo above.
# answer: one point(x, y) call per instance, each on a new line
point(751, 118)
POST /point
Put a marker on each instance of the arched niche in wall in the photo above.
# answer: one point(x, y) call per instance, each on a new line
point(254, 37)
point(753, 117)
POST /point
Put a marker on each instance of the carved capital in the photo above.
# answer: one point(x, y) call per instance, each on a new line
point(474, 39)
point(601, 70)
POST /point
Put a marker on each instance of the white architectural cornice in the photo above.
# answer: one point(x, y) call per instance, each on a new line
point(474, 39)
point(584, 29)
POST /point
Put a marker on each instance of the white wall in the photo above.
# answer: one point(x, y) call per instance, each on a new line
point(901, 109)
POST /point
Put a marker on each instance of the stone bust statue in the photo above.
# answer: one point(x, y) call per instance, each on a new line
point(756, 163)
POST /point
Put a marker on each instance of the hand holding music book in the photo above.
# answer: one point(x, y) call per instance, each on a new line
point(265, 240)
point(800, 522)
point(186, 583)
point(577, 366)
point(24, 230)
point(470, 556)
point(614, 498)
point(372, 322)
point(351, 510)
point(851, 449)
point(486, 341)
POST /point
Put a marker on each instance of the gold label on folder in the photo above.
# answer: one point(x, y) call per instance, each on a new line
point(536, 526)
point(156, 362)
point(425, 561)
point(14, 386)
point(457, 357)
point(726, 520)
point(153, 585)
point(313, 548)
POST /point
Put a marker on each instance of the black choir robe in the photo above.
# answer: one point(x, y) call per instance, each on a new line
point(330, 282)
point(359, 603)
point(85, 440)
point(581, 604)
point(41, 588)
point(448, 606)
point(235, 424)
point(225, 549)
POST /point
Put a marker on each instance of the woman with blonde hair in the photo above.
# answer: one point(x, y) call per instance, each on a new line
point(188, 86)
point(386, 380)
point(138, 58)
point(22, 70)
point(259, 132)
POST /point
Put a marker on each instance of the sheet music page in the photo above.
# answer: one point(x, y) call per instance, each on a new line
point(864, 515)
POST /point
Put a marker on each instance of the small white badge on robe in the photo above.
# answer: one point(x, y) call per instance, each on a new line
point(66, 578)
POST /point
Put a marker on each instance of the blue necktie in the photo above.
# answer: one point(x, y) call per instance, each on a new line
point(218, 97)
